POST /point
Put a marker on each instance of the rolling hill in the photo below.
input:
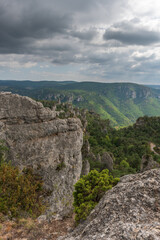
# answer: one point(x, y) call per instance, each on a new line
point(122, 103)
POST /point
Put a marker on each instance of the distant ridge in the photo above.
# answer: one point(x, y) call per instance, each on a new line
point(154, 86)
point(122, 103)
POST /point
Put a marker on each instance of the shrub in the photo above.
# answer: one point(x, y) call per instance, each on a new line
point(124, 164)
point(89, 190)
point(19, 192)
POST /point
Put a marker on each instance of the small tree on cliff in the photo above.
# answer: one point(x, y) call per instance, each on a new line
point(89, 190)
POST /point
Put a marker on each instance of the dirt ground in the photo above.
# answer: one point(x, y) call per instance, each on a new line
point(28, 229)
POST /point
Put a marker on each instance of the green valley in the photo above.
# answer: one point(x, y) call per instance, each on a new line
point(121, 103)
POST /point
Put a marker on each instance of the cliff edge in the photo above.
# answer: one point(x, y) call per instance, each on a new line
point(51, 146)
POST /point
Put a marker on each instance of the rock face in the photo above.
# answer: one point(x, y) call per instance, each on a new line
point(130, 210)
point(148, 163)
point(37, 138)
point(107, 160)
point(85, 167)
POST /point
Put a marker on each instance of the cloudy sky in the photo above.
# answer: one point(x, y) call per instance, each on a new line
point(81, 40)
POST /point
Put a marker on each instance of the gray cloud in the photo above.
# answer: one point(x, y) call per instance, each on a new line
point(84, 35)
point(129, 34)
point(144, 58)
point(22, 24)
point(139, 37)
point(90, 35)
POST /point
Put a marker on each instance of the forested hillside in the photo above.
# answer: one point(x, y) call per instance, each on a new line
point(109, 152)
point(122, 151)
point(127, 146)
point(122, 103)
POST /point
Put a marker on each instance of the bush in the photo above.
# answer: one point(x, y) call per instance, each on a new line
point(19, 192)
point(89, 190)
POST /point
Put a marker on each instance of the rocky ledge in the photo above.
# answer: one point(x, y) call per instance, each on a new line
point(129, 211)
point(51, 146)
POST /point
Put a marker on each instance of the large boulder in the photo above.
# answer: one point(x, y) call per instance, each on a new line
point(130, 210)
point(51, 146)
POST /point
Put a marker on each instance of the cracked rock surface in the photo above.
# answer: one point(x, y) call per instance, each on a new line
point(52, 146)
point(129, 211)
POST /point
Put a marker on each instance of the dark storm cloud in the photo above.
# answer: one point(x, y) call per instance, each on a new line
point(130, 34)
point(139, 37)
point(22, 24)
point(63, 32)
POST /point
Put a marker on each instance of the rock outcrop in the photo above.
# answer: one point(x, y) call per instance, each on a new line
point(107, 161)
point(51, 146)
point(130, 210)
point(148, 163)
point(85, 167)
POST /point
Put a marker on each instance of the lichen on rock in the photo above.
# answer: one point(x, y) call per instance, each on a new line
point(130, 210)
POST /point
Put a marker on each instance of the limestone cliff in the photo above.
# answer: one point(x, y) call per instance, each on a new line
point(130, 210)
point(52, 146)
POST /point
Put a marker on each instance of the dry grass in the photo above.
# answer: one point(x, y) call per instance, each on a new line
point(29, 229)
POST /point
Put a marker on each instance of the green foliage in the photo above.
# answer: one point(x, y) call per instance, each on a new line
point(47, 103)
point(124, 164)
point(156, 158)
point(89, 190)
point(98, 130)
point(60, 166)
point(122, 103)
point(20, 192)
point(126, 144)
point(123, 169)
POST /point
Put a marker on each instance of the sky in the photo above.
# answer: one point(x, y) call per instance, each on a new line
point(80, 40)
